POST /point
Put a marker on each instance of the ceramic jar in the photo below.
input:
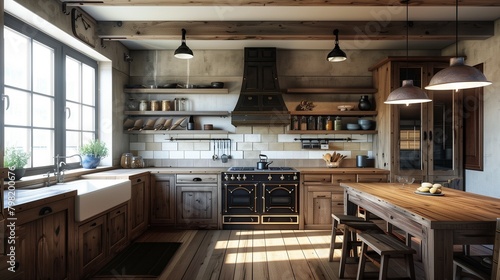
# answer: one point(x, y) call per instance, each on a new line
point(364, 104)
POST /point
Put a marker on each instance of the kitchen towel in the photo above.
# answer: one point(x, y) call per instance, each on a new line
point(141, 259)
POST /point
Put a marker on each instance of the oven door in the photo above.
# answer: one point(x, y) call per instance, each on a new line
point(239, 199)
point(280, 198)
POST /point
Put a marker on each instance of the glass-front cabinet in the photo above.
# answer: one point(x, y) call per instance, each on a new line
point(419, 140)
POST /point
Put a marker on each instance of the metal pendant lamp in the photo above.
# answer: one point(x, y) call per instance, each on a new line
point(407, 93)
point(183, 51)
point(458, 75)
point(336, 55)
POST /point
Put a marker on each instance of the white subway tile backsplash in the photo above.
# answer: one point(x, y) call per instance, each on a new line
point(145, 138)
point(185, 146)
point(252, 138)
point(202, 146)
point(287, 137)
point(161, 154)
point(161, 138)
point(236, 137)
point(146, 154)
point(192, 154)
point(137, 146)
point(169, 146)
point(176, 155)
point(260, 146)
point(244, 146)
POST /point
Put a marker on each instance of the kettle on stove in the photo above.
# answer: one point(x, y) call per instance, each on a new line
point(263, 163)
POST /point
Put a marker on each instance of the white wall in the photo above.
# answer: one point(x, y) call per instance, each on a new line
point(486, 182)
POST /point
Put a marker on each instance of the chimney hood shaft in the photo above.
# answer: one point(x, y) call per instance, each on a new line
point(260, 101)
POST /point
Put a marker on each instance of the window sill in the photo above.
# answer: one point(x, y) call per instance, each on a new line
point(37, 181)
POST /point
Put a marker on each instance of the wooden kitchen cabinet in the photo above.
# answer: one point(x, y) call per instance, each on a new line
point(139, 205)
point(92, 246)
point(197, 207)
point(44, 247)
point(423, 141)
point(100, 238)
point(322, 196)
point(162, 199)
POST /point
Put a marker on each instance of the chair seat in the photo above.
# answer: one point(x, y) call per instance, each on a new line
point(385, 246)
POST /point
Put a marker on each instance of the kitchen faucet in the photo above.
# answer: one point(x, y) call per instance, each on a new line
point(59, 164)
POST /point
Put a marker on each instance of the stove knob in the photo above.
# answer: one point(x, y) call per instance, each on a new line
point(295, 177)
point(269, 177)
point(282, 177)
point(232, 176)
point(238, 177)
point(244, 177)
point(226, 177)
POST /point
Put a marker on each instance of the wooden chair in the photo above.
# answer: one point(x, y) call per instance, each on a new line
point(472, 268)
point(385, 247)
point(338, 221)
point(350, 241)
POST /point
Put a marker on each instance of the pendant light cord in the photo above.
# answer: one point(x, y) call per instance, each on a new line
point(407, 35)
point(456, 28)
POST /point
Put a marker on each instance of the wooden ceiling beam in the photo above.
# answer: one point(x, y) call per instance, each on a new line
point(303, 30)
point(281, 3)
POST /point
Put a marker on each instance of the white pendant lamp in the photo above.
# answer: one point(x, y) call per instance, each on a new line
point(336, 55)
point(183, 51)
point(458, 75)
point(407, 93)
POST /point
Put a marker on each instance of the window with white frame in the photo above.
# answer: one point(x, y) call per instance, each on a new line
point(50, 89)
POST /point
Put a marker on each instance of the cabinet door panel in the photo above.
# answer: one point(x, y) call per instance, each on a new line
point(197, 205)
point(51, 247)
point(117, 229)
point(163, 200)
point(139, 206)
point(92, 245)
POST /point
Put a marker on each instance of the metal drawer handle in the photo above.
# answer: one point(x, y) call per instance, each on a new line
point(45, 210)
point(139, 180)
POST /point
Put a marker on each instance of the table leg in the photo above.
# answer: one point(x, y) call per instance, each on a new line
point(437, 254)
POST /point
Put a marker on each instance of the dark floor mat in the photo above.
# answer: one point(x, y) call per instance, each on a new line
point(141, 259)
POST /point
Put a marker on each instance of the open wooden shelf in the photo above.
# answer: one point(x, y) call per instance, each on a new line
point(177, 113)
point(331, 90)
point(332, 132)
point(333, 113)
point(176, 131)
point(177, 90)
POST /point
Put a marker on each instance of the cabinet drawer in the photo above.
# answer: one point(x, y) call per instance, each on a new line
point(337, 179)
point(321, 178)
point(41, 211)
point(367, 178)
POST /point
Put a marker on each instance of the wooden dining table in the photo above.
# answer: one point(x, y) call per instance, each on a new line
point(440, 221)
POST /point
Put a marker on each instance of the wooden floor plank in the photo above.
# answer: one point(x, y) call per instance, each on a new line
point(227, 271)
point(312, 257)
point(259, 256)
point(178, 265)
point(243, 269)
point(252, 254)
point(298, 262)
point(215, 255)
point(202, 256)
point(277, 258)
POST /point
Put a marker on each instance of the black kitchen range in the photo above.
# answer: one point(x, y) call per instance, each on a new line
point(266, 198)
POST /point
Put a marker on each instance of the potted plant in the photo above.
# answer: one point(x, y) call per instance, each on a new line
point(92, 153)
point(16, 160)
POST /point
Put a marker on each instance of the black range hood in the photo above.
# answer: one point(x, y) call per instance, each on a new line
point(260, 101)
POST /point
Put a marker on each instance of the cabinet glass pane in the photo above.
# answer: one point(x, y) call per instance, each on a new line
point(410, 147)
point(414, 74)
point(442, 135)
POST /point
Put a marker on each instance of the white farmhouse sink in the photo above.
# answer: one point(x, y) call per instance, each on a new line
point(95, 196)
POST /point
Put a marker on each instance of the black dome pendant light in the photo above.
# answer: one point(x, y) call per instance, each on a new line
point(336, 55)
point(457, 75)
point(183, 51)
point(407, 93)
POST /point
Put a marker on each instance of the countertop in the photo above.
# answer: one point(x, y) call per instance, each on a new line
point(342, 170)
point(19, 197)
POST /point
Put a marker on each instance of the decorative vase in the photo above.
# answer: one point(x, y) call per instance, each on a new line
point(90, 161)
point(364, 104)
